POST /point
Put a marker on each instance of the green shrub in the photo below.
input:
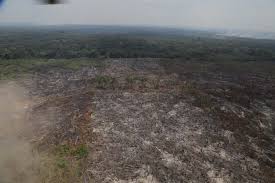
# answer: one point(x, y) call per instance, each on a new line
point(104, 82)
point(61, 163)
point(80, 152)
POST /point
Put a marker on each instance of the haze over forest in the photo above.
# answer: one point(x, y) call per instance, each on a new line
point(248, 15)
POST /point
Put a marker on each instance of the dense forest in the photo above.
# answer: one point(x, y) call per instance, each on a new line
point(129, 42)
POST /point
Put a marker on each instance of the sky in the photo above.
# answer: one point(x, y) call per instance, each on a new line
point(253, 15)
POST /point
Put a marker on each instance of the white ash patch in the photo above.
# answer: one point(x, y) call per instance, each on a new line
point(172, 113)
point(229, 135)
point(170, 160)
point(214, 177)
point(144, 176)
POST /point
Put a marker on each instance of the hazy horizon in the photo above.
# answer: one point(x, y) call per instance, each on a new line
point(247, 15)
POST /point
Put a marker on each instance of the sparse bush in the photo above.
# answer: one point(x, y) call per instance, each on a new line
point(80, 152)
point(104, 82)
point(12, 69)
point(54, 169)
point(63, 165)
point(203, 101)
point(136, 81)
point(190, 88)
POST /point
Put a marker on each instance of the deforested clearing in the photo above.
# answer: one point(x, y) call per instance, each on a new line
point(139, 120)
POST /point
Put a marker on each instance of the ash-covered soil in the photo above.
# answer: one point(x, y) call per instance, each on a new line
point(155, 120)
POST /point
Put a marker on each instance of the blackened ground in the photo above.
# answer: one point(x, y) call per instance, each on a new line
point(155, 120)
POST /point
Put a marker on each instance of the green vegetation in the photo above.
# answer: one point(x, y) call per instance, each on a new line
point(104, 82)
point(28, 51)
point(190, 88)
point(134, 79)
point(201, 99)
point(63, 165)
point(78, 152)
point(11, 69)
point(87, 43)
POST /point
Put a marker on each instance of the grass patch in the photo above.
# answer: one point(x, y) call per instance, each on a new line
point(61, 163)
point(59, 170)
point(104, 82)
point(12, 69)
point(136, 81)
point(190, 88)
point(79, 152)
point(64, 164)
point(201, 99)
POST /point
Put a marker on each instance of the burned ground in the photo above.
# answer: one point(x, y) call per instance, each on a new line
point(160, 120)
